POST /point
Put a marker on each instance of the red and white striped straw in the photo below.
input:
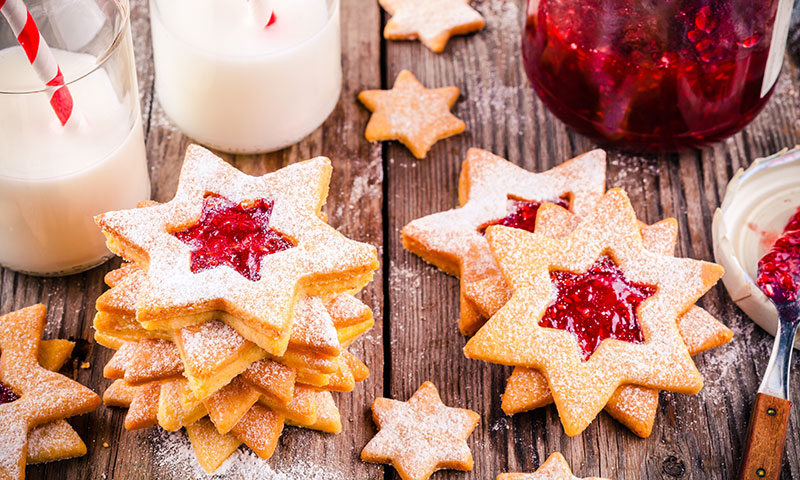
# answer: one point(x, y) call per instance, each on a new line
point(40, 56)
point(262, 11)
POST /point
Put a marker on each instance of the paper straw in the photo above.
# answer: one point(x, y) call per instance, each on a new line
point(262, 11)
point(40, 56)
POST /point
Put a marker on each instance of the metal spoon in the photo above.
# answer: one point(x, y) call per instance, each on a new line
point(766, 436)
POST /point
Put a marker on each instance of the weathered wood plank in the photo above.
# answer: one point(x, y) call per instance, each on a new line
point(695, 436)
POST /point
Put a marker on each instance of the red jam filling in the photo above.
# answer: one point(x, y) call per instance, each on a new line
point(234, 235)
point(597, 305)
point(6, 395)
point(522, 214)
point(779, 269)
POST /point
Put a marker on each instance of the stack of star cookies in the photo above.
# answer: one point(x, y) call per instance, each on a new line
point(234, 312)
point(560, 280)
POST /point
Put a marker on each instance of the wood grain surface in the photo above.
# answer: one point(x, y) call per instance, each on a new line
point(379, 188)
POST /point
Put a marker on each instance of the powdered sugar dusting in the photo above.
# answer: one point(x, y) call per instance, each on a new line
point(347, 310)
point(151, 360)
point(313, 327)
point(43, 395)
point(210, 345)
point(52, 441)
point(174, 457)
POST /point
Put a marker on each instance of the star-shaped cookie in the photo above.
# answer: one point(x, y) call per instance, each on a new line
point(416, 116)
point(43, 396)
point(55, 440)
point(581, 385)
point(284, 206)
point(490, 188)
point(433, 22)
point(422, 435)
point(632, 405)
point(555, 468)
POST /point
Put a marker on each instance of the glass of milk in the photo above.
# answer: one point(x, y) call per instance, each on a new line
point(231, 82)
point(54, 179)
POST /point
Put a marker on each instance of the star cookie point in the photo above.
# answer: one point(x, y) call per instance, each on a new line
point(422, 435)
point(433, 22)
point(416, 116)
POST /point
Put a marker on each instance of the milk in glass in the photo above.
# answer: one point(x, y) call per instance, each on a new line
point(54, 179)
point(231, 82)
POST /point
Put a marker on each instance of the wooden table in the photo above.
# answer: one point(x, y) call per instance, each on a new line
point(378, 188)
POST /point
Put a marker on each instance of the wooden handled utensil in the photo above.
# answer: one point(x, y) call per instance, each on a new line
point(766, 435)
point(779, 279)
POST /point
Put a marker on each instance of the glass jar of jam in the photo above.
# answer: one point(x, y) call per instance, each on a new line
point(655, 74)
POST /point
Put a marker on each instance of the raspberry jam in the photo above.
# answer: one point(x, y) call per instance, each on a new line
point(779, 269)
point(522, 214)
point(597, 305)
point(233, 235)
point(6, 395)
point(651, 75)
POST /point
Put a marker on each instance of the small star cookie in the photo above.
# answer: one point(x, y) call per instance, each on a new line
point(583, 376)
point(493, 190)
point(433, 22)
point(42, 396)
point(422, 435)
point(555, 468)
point(416, 116)
point(205, 250)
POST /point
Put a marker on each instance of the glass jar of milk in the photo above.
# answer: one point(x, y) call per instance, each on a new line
point(54, 178)
point(243, 84)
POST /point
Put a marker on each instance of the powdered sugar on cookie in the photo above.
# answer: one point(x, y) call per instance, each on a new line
point(416, 116)
point(422, 435)
point(433, 22)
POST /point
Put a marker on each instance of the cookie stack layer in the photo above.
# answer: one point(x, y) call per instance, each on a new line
point(235, 312)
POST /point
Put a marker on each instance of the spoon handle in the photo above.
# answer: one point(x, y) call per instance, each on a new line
point(766, 438)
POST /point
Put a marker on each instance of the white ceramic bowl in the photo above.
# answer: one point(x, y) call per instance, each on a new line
point(757, 205)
